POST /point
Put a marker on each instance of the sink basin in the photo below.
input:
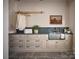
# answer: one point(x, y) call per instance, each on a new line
point(54, 36)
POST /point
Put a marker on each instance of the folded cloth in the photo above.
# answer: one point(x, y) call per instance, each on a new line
point(21, 22)
point(62, 36)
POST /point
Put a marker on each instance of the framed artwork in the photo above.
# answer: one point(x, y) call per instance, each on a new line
point(55, 19)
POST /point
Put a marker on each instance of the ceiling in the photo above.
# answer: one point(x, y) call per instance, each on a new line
point(45, 0)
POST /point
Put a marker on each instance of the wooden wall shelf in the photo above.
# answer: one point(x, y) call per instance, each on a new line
point(29, 12)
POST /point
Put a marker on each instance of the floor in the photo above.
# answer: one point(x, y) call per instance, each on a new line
point(42, 55)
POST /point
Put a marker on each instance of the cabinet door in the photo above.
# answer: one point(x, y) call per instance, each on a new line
point(68, 42)
point(51, 44)
point(56, 45)
point(60, 45)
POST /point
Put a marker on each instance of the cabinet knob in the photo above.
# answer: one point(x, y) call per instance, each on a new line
point(36, 40)
point(56, 42)
point(27, 40)
point(28, 46)
point(37, 46)
point(20, 46)
point(20, 40)
point(46, 40)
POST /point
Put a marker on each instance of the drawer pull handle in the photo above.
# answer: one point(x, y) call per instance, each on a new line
point(37, 46)
point(56, 42)
point(27, 46)
point(37, 41)
point(20, 40)
point(20, 46)
point(28, 40)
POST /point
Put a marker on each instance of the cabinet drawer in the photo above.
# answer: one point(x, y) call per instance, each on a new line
point(37, 40)
point(17, 36)
point(14, 36)
point(16, 41)
point(38, 36)
point(28, 41)
point(29, 46)
point(33, 36)
point(37, 46)
point(16, 45)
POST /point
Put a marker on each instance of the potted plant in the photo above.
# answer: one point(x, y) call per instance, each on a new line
point(35, 29)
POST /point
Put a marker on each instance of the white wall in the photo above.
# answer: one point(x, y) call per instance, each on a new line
point(49, 7)
point(5, 30)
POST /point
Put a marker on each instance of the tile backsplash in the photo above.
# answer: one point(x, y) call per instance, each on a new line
point(46, 30)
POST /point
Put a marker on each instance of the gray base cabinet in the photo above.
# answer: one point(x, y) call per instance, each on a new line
point(38, 43)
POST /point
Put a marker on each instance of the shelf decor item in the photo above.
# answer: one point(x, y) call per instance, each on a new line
point(35, 29)
point(55, 19)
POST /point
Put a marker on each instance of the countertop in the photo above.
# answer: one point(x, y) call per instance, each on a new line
point(33, 34)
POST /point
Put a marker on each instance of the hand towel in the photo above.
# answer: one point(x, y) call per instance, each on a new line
point(62, 36)
point(21, 22)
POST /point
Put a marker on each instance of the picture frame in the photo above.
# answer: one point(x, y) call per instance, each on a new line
point(55, 19)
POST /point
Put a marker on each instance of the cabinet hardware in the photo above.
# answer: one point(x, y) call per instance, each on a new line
point(37, 46)
point(27, 46)
point(46, 40)
point(20, 46)
point(56, 42)
point(36, 40)
point(20, 40)
point(27, 40)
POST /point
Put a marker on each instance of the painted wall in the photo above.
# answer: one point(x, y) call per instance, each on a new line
point(72, 19)
point(49, 7)
point(12, 14)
